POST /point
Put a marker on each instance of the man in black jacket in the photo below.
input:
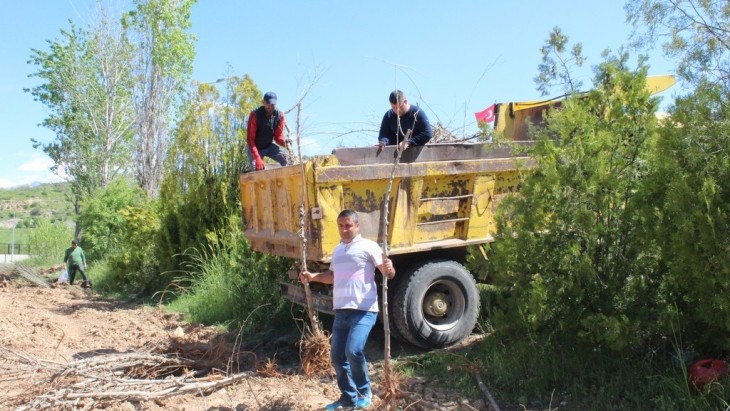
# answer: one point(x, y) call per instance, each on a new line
point(401, 118)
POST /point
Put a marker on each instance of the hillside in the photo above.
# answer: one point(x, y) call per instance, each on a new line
point(20, 207)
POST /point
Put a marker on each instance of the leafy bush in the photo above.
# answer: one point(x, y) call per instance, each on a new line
point(567, 253)
point(102, 222)
point(133, 268)
point(687, 215)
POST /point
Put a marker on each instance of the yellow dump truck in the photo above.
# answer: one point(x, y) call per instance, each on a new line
point(441, 201)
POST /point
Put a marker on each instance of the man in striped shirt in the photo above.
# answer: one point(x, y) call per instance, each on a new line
point(355, 301)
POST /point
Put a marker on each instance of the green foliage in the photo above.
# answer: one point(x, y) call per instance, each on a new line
point(200, 188)
point(43, 192)
point(163, 64)
point(86, 85)
point(694, 34)
point(558, 64)
point(566, 251)
point(541, 377)
point(165, 45)
point(134, 266)
point(122, 228)
point(230, 284)
point(25, 207)
point(48, 241)
point(103, 279)
point(687, 194)
point(103, 218)
point(20, 235)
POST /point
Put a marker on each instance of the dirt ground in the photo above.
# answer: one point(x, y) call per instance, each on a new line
point(50, 328)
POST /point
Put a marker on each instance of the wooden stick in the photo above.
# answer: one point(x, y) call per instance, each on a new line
point(388, 370)
point(303, 206)
point(58, 385)
point(485, 390)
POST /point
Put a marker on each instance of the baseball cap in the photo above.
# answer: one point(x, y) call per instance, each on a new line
point(270, 97)
point(74, 241)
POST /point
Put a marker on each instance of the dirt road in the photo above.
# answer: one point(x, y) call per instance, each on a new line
point(67, 325)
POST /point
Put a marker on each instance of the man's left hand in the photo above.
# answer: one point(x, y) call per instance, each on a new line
point(403, 145)
point(387, 267)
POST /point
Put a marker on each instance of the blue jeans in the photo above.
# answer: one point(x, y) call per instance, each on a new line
point(271, 151)
point(349, 335)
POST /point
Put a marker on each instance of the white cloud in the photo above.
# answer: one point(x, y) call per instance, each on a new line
point(36, 170)
point(5, 183)
point(310, 146)
point(47, 177)
point(37, 163)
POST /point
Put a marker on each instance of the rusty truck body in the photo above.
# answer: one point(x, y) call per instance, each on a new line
point(442, 200)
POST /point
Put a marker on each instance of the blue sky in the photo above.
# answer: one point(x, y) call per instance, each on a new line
point(451, 58)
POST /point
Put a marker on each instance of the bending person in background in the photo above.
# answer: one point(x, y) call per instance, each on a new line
point(76, 261)
point(266, 125)
point(355, 301)
point(399, 119)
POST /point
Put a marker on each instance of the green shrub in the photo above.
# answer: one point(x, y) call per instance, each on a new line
point(687, 216)
point(102, 221)
point(566, 252)
point(134, 264)
point(534, 375)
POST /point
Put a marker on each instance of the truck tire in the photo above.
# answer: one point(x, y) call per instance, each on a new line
point(393, 286)
point(436, 304)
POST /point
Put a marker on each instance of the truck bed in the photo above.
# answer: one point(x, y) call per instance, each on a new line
point(442, 196)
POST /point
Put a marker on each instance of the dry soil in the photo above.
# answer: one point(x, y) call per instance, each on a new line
point(63, 324)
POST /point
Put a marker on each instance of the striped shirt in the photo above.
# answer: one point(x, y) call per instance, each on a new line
point(353, 265)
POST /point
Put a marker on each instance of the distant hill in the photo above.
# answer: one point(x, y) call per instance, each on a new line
point(19, 206)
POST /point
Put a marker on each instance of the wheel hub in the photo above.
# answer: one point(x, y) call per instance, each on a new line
point(436, 304)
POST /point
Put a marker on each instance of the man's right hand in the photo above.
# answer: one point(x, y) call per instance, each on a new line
point(305, 277)
point(259, 164)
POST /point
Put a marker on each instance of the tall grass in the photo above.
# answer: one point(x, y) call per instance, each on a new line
point(529, 375)
point(232, 285)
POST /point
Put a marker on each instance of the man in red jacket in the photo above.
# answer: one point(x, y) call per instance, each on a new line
point(266, 125)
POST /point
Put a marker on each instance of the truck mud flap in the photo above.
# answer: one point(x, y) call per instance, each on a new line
point(295, 293)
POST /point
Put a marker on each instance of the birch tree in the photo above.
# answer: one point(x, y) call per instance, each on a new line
point(165, 53)
point(86, 86)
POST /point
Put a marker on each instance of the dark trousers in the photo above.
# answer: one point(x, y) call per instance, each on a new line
point(72, 273)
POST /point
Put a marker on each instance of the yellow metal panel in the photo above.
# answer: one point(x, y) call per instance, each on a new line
point(247, 193)
point(329, 200)
point(434, 204)
point(481, 219)
point(435, 232)
point(263, 217)
point(512, 118)
point(443, 208)
point(506, 182)
point(282, 205)
point(404, 213)
point(438, 209)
